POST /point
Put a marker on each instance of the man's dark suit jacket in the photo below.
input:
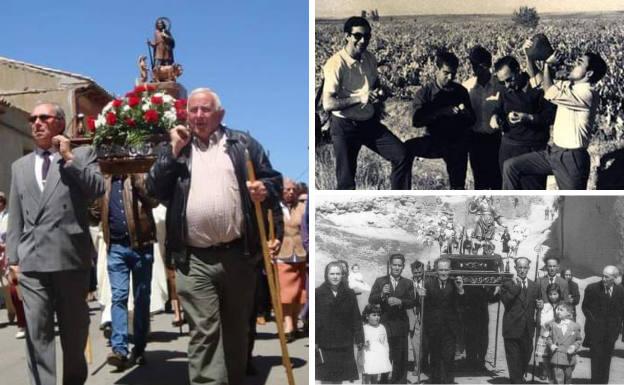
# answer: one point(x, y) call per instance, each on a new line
point(519, 309)
point(603, 314)
point(442, 307)
point(394, 318)
point(574, 292)
point(543, 282)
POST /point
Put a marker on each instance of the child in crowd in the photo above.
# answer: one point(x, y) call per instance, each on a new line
point(564, 341)
point(356, 280)
point(377, 366)
point(547, 315)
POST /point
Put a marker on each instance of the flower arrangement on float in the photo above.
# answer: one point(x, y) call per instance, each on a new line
point(131, 128)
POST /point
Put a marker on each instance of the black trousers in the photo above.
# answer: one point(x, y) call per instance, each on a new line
point(476, 323)
point(454, 153)
point(570, 167)
point(348, 137)
point(518, 354)
point(262, 298)
point(375, 378)
point(398, 357)
point(510, 150)
point(483, 151)
point(600, 353)
point(442, 350)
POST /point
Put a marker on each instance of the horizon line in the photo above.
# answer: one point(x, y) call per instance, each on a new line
point(474, 14)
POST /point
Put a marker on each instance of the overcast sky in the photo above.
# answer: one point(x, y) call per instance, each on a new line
point(345, 8)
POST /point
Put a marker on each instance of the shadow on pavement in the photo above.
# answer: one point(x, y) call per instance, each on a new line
point(160, 336)
point(266, 336)
point(159, 370)
point(263, 365)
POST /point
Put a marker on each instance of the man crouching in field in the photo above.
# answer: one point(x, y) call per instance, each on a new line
point(443, 106)
point(577, 103)
point(351, 88)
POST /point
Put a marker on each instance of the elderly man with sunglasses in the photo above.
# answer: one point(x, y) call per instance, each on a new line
point(49, 245)
point(351, 93)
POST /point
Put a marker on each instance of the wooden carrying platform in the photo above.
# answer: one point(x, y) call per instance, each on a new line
point(476, 270)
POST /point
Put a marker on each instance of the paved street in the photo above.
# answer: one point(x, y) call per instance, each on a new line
point(166, 356)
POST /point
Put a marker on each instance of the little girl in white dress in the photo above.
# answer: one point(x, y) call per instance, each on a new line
point(377, 366)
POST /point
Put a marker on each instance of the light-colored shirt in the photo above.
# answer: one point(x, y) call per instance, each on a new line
point(214, 212)
point(484, 101)
point(39, 165)
point(564, 325)
point(577, 104)
point(345, 76)
point(609, 291)
point(394, 282)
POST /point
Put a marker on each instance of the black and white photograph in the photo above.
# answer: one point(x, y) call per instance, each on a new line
point(469, 289)
point(414, 94)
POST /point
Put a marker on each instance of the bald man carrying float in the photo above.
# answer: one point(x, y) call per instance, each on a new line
point(519, 296)
point(603, 307)
point(212, 233)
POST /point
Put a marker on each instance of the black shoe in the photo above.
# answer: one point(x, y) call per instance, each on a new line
point(137, 358)
point(107, 329)
point(303, 332)
point(290, 337)
point(117, 360)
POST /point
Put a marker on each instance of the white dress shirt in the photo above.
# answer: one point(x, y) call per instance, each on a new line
point(39, 165)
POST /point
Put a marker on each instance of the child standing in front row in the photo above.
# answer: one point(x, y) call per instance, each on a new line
point(377, 366)
point(564, 341)
point(546, 316)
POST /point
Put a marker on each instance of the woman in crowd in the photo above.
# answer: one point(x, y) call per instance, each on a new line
point(338, 328)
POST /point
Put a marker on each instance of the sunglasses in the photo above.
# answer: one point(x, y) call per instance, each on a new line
point(359, 36)
point(42, 117)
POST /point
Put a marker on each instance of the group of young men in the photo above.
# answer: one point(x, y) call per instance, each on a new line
point(499, 119)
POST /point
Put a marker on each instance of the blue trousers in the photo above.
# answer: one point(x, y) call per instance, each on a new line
point(122, 261)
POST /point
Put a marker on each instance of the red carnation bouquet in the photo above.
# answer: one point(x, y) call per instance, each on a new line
point(126, 124)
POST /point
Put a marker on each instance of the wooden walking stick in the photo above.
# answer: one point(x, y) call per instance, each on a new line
point(277, 305)
point(420, 337)
point(537, 249)
point(89, 350)
point(278, 289)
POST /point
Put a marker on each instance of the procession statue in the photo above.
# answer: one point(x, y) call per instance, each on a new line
point(164, 67)
point(483, 207)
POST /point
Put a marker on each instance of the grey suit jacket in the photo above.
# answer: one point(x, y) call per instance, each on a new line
point(49, 230)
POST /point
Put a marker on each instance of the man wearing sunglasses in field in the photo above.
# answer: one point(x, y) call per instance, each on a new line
point(524, 117)
point(49, 245)
point(351, 92)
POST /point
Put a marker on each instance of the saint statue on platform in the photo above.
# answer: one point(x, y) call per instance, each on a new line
point(163, 43)
point(483, 207)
